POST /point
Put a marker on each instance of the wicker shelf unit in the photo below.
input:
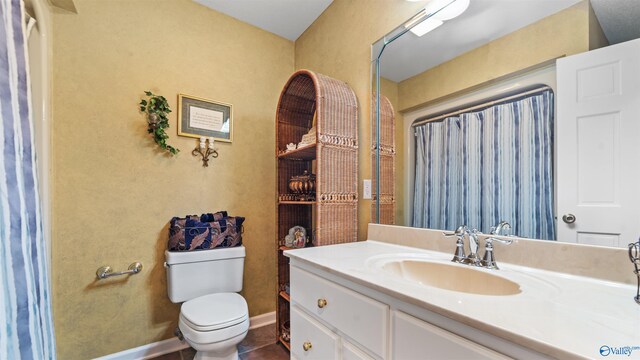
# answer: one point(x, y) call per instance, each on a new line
point(311, 100)
point(387, 164)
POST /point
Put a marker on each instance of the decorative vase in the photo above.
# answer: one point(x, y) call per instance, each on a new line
point(303, 185)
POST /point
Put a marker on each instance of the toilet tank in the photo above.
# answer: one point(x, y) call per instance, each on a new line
point(195, 273)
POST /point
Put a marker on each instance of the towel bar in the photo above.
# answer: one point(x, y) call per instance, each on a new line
point(106, 271)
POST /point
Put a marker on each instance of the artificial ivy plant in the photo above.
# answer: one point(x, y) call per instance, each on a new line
point(157, 109)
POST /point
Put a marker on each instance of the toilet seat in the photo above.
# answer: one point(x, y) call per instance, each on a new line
point(213, 318)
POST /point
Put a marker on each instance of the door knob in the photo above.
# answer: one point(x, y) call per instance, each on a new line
point(569, 218)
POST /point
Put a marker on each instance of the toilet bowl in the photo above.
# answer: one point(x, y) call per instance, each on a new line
point(214, 318)
point(214, 325)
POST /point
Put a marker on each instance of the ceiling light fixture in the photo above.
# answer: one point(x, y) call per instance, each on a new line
point(426, 26)
point(448, 9)
point(438, 11)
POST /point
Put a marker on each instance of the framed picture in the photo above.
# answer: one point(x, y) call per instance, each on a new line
point(199, 117)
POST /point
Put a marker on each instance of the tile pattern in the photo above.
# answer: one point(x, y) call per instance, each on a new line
point(260, 344)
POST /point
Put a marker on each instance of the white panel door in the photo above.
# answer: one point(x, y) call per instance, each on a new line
point(598, 146)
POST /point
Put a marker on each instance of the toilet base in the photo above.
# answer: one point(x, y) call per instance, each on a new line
point(201, 355)
point(223, 350)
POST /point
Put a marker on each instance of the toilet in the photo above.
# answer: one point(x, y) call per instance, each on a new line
point(213, 317)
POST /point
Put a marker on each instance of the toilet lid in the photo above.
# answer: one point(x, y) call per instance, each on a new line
point(215, 311)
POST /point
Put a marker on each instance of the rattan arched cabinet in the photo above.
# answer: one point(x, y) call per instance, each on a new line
point(329, 214)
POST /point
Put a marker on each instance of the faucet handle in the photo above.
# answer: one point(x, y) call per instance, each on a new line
point(488, 260)
point(490, 241)
point(460, 232)
point(458, 255)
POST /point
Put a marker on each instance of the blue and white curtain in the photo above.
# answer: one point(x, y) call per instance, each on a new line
point(26, 330)
point(480, 168)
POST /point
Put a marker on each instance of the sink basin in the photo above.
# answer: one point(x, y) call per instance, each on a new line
point(454, 277)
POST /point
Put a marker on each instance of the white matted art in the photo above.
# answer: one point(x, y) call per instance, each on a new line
point(198, 117)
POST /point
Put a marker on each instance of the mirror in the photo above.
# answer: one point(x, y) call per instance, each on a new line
point(490, 74)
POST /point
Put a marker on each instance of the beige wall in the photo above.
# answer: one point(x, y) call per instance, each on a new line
point(571, 31)
point(338, 44)
point(114, 192)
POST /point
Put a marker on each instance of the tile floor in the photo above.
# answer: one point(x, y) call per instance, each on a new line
point(260, 344)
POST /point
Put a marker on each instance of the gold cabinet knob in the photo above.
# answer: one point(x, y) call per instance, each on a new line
point(306, 346)
point(322, 303)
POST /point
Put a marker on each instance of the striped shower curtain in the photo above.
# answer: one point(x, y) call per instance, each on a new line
point(25, 302)
point(480, 168)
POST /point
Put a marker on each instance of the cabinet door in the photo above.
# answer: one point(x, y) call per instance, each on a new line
point(351, 352)
point(359, 317)
point(310, 340)
point(414, 339)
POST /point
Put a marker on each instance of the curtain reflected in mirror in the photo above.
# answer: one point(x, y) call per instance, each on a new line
point(481, 167)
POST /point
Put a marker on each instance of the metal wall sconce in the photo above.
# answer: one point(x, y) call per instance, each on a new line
point(205, 151)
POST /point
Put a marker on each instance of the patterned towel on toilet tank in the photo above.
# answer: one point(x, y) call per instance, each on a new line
point(207, 231)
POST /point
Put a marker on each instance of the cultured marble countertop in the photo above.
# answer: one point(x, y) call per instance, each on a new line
point(555, 314)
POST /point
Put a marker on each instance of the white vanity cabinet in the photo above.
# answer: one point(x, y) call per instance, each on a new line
point(331, 321)
point(363, 320)
point(417, 339)
point(311, 340)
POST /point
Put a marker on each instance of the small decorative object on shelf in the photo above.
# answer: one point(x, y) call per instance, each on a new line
point(634, 256)
point(297, 237)
point(291, 146)
point(303, 187)
point(308, 138)
point(205, 151)
point(157, 109)
point(286, 331)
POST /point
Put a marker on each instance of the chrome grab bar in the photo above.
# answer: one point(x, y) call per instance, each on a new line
point(107, 272)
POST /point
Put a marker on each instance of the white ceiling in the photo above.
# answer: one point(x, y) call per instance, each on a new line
point(287, 18)
point(484, 21)
point(620, 19)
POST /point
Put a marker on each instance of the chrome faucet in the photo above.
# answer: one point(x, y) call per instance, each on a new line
point(472, 258)
point(489, 260)
point(460, 232)
point(459, 255)
point(503, 226)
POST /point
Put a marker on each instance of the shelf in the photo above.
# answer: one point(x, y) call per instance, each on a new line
point(296, 202)
point(285, 343)
point(283, 294)
point(307, 152)
point(284, 248)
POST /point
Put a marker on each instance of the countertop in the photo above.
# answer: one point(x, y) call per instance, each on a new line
point(555, 314)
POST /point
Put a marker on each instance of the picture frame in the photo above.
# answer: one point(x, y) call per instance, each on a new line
point(199, 117)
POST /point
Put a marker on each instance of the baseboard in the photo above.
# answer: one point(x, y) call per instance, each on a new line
point(155, 349)
point(262, 320)
point(148, 351)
